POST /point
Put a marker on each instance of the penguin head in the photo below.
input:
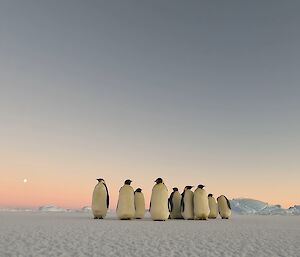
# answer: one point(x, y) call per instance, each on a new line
point(210, 195)
point(158, 180)
point(127, 182)
point(201, 186)
point(175, 189)
point(138, 190)
point(100, 180)
point(188, 187)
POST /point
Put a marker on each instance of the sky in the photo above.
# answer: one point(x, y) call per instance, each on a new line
point(195, 92)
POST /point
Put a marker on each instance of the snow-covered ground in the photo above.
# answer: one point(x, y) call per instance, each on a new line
point(77, 234)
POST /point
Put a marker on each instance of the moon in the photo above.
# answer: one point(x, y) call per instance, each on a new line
point(25, 180)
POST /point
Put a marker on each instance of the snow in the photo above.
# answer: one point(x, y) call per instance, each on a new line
point(78, 234)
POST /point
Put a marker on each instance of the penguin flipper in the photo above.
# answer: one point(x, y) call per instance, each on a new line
point(171, 202)
point(182, 202)
point(107, 200)
point(228, 203)
point(150, 206)
point(107, 196)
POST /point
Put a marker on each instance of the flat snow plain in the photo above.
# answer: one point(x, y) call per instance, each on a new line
point(77, 234)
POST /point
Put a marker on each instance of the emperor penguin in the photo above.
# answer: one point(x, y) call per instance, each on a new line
point(187, 205)
point(213, 207)
point(224, 207)
point(201, 206)
point(125, 206)
point(139, 203)
point(159, 201)
point(174, 204)
point(100, 200)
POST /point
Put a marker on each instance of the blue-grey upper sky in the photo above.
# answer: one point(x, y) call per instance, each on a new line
point(186, 90)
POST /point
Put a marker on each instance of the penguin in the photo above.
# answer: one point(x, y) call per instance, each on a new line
point(100, 200)
point(159, 201)
point(213, 207)
point(224, 207)
point(139, 203)
point(125, 206)
point(201, 206)
point(174, 204)
point(187, 205)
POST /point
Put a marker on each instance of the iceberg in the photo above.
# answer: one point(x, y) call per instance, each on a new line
point(51, 208)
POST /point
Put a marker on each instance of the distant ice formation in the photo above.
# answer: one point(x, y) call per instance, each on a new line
point(251, 206)
point(238, 205)
point(51, 208)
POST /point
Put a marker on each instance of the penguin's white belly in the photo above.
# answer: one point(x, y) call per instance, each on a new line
point(224, 210)
point(188, 212)
point(176, 211)
point(213, 208)
point(201, 207)
point(99, 206)
point(159, 203)
point(125, 208)
point(139, 203)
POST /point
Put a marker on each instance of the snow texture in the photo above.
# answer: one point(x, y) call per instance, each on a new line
point(78, 234)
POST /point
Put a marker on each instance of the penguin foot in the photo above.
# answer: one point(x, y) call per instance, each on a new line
point(225, 218)
point(159, 220)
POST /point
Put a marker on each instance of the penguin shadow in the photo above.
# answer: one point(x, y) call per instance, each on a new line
point(160, 221)
point(145, 219)
point(121, 220)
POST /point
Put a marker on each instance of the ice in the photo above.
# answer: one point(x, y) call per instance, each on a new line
point(51, 208)
point(294, 210)
point(251, 206)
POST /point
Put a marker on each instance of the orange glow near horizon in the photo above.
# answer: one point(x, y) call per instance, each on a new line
point(36, 193)
point(73, 188)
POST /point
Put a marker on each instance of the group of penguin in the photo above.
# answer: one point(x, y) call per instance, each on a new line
point(189, 205)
